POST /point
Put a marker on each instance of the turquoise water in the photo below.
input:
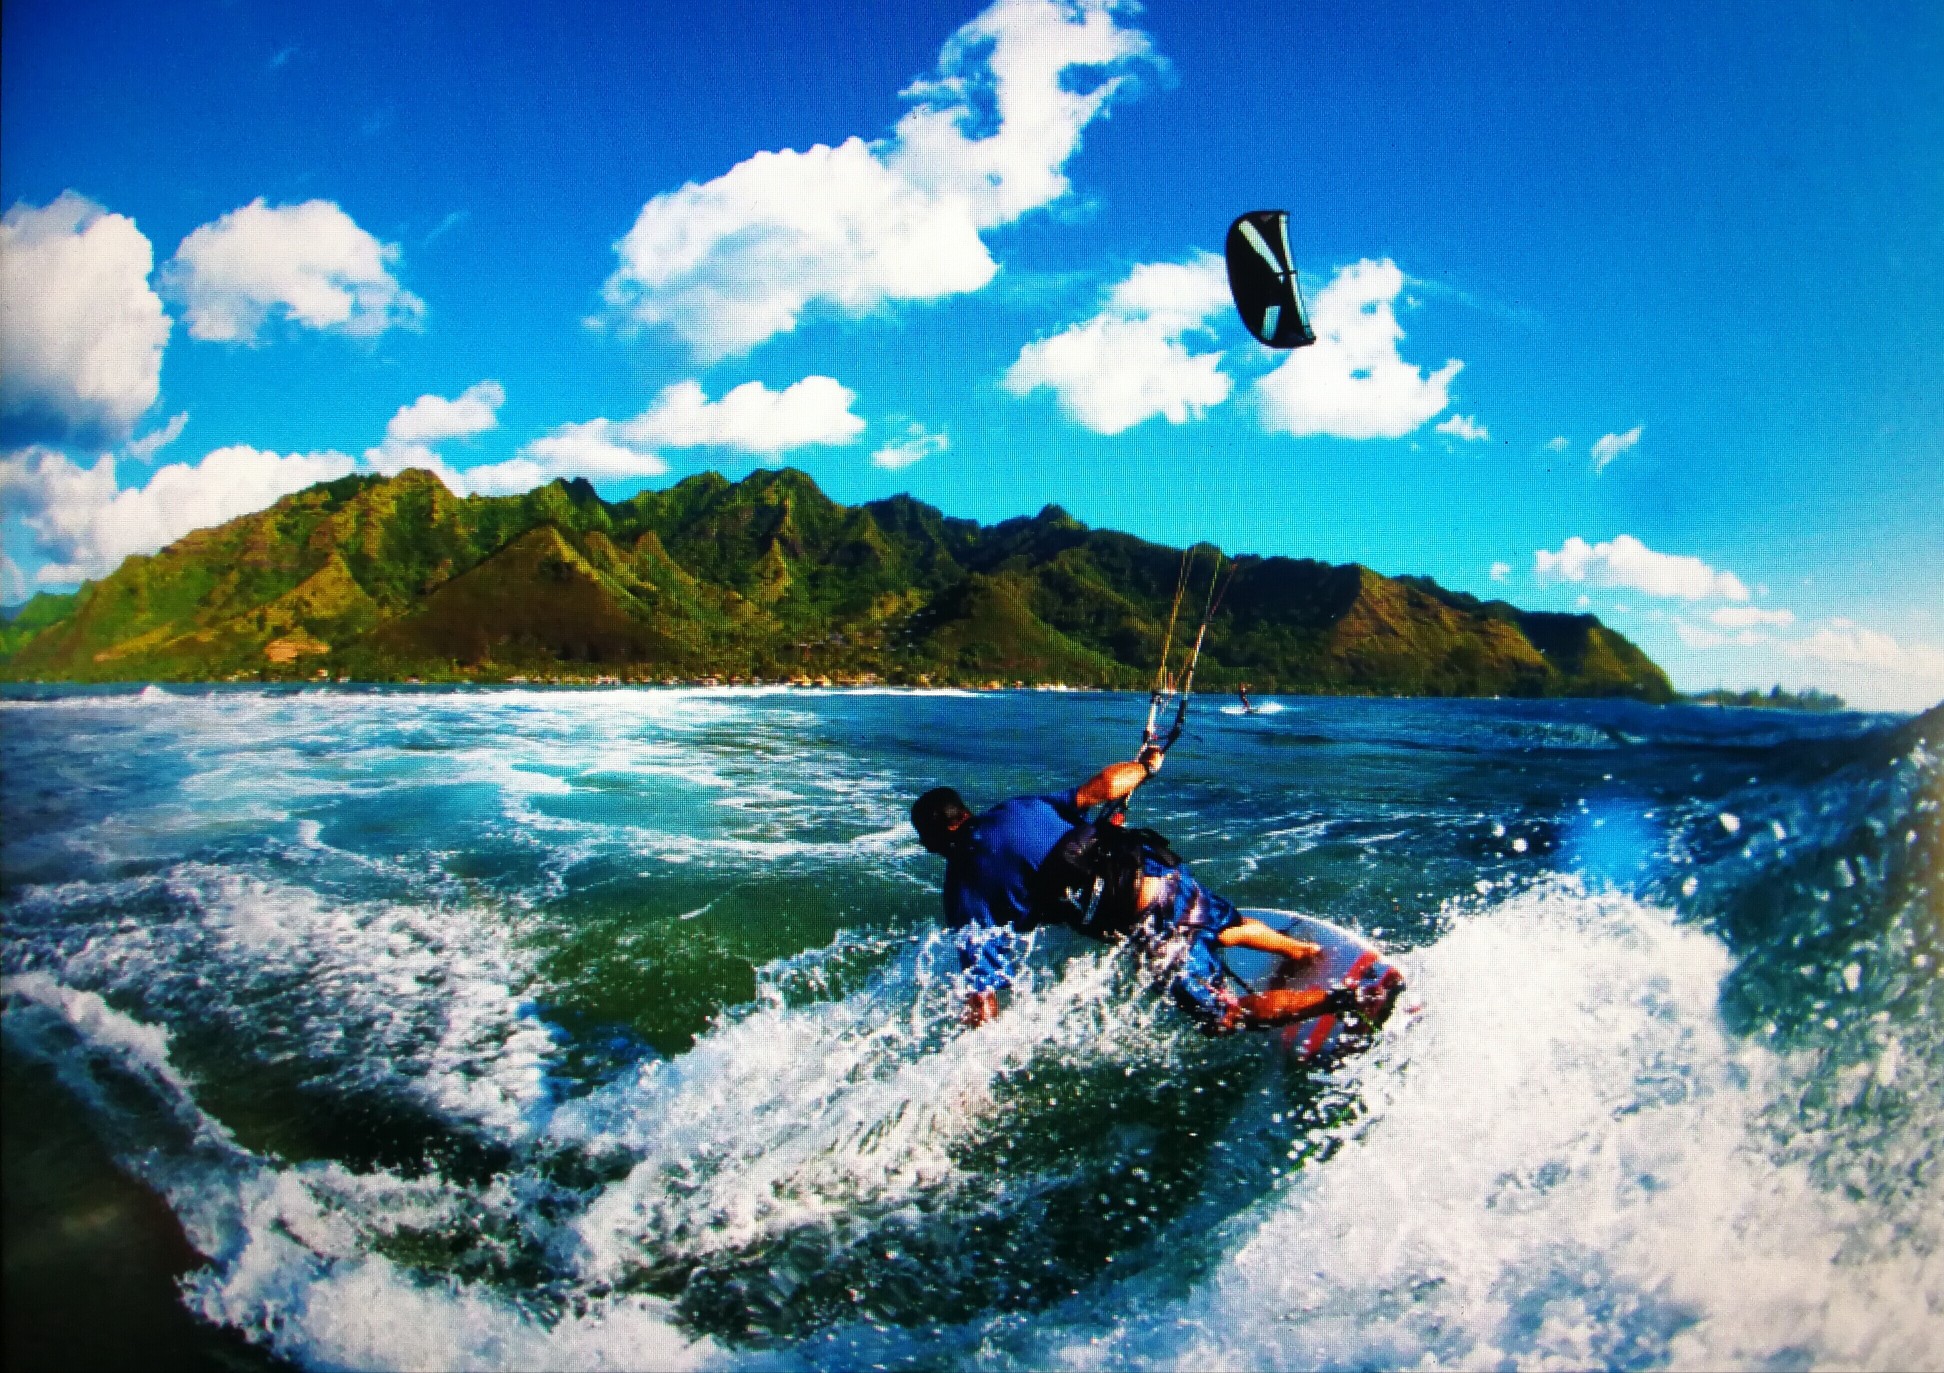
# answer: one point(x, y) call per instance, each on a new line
point(612, 1028)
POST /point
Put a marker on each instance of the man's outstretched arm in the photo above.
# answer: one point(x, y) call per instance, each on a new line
point(1117, 780)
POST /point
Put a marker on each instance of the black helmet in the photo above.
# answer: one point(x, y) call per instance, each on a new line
point(936, 815)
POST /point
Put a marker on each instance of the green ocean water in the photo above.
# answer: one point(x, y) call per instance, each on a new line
point(407, 1028)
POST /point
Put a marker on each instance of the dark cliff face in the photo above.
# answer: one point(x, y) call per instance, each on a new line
point(389, 577)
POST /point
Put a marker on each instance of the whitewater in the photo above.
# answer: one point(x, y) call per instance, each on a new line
point(495, 1028)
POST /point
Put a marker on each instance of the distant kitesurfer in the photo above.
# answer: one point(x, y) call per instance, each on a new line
point(1036, 860)
point(1243, 692)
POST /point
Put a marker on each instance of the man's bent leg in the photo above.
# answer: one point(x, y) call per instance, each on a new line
point(1253, 934)
point(1283, 1005)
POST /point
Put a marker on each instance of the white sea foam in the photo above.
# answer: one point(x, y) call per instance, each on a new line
point(432, 994)
point(143, 1045)
point(1567, 1162)
point(128, 700)
point(791, 1116)
point(292, 1263)
point(296, 1272)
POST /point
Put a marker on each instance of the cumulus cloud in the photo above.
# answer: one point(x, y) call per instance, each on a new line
point(431, 418)
point(751, 417)
point(1500, 571)
point(1626, 561)
point(1610, 446)
point(308, 263)
point(153, 442)
point(81, 333)
point(1352, 383)
point(917, 445)
point(1557, 444)
point(728, 263)
point(1846, 643)
point(85, 526)
point(1128, 363)
point(1872, 669)
point(1867, 667)
point(1465, 427)
point(574, 450)
point(411, 432)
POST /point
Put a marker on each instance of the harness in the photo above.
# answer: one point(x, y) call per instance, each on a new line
point(1090, 879)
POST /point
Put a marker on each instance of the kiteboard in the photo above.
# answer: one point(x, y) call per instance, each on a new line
point(1347, 959)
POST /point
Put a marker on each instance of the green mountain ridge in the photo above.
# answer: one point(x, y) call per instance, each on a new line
point(385, 578)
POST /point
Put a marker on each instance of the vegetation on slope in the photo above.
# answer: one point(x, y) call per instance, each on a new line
point(387, 578)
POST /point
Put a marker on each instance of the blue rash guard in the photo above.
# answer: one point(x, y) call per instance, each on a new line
point(989, 902)
point(988, 883)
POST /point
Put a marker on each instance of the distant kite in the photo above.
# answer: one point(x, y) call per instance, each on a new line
point(1262, 278)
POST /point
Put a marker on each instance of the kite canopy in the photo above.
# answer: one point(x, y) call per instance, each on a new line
point(1262, 278)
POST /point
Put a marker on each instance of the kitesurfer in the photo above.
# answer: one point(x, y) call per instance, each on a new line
point(1035, 860)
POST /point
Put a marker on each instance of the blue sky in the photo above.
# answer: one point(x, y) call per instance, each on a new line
point(1689, 266)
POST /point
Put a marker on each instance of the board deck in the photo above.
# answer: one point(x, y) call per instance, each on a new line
point(1346, 957)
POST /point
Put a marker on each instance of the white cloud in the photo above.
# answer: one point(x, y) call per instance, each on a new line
point(81, 333)
point(917, 445)
point(310, 263)
point(14, 587)
point(432, 418)
point(1843, 642)
point(1128, 363)
point(1626, 561)
point(1749, 616)
point(1610, 446)
point(153, 442)
point(1500, 571)
point(1868, 668)
point(411, 432)
point(1351, 383)
point(751, 417)
point(1557, 444)
point(725, 264)
point(85, 525)
point(591, 450)
point(1465, 427)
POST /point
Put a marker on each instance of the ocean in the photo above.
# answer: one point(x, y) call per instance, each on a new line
point(568, 1028)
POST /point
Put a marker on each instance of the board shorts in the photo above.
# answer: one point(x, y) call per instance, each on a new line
point(1181, 937)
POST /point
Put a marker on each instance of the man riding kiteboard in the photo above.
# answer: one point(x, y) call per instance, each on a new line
point(1038, 860)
